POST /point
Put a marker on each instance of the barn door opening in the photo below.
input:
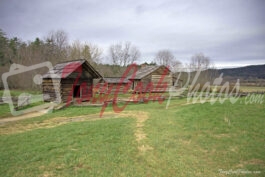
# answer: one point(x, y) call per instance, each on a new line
point(86, 92)
point(77, 91)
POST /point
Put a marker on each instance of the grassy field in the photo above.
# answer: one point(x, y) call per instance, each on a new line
point(4, 108)
point(143, 140)
point(252, 89)
point(18, 92)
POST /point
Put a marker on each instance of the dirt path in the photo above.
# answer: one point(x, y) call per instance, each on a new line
point(40, 113)
point(22, 117)
point(7, 125)
point(140, 135)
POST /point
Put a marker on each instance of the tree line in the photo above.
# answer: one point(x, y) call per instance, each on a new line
point(55, 47)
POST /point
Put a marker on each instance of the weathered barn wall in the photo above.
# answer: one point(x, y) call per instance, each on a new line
point(112, 87)
point(151, 81)
point(73, 79)
point(68, 85)
point(51, 88)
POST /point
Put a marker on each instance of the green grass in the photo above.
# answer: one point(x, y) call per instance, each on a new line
point(197, 140)
point(187, 140)
point(18, 92)
point(70, 111)
point(84, 149)
point(4, 108)
point(4, 111)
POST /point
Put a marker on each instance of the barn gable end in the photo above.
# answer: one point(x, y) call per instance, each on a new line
point(149, 79)
point(69, 80)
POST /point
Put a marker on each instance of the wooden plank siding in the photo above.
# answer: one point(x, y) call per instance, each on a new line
point(161, 86)
point(75, 80)
point(112, 88)
point(67, 89)
point(51, 88)
point(151, 81)
point(112, 85)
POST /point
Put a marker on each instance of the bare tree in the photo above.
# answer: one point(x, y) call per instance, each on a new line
point(164, 57)
point(95, 52)
point(199, 62)
point(176, 66)
point(56, 43)
point(59, 38)
point(123, 54)
point(75, 50)
point(90, 52)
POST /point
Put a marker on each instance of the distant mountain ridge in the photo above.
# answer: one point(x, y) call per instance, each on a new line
point(246, 72)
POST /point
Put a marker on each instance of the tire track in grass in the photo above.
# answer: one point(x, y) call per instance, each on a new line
point(139, 133)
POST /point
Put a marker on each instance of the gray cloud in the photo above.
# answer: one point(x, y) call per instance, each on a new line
point(226, 31)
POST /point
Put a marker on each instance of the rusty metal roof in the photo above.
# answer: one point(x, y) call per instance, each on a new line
point(63, 70)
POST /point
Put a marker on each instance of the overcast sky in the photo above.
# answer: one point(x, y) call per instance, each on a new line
point(230, 32)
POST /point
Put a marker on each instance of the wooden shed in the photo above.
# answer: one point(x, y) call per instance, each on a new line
point(111, 84)
point(177, 82)
point(69, 80)
point(151, 79)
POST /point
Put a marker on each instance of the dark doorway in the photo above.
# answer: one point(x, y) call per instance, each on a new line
point(77, 91)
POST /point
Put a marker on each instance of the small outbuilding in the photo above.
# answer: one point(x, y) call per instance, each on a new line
point(69, 80)
point(151, 79)
point(113, 85)
point(177, 82)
